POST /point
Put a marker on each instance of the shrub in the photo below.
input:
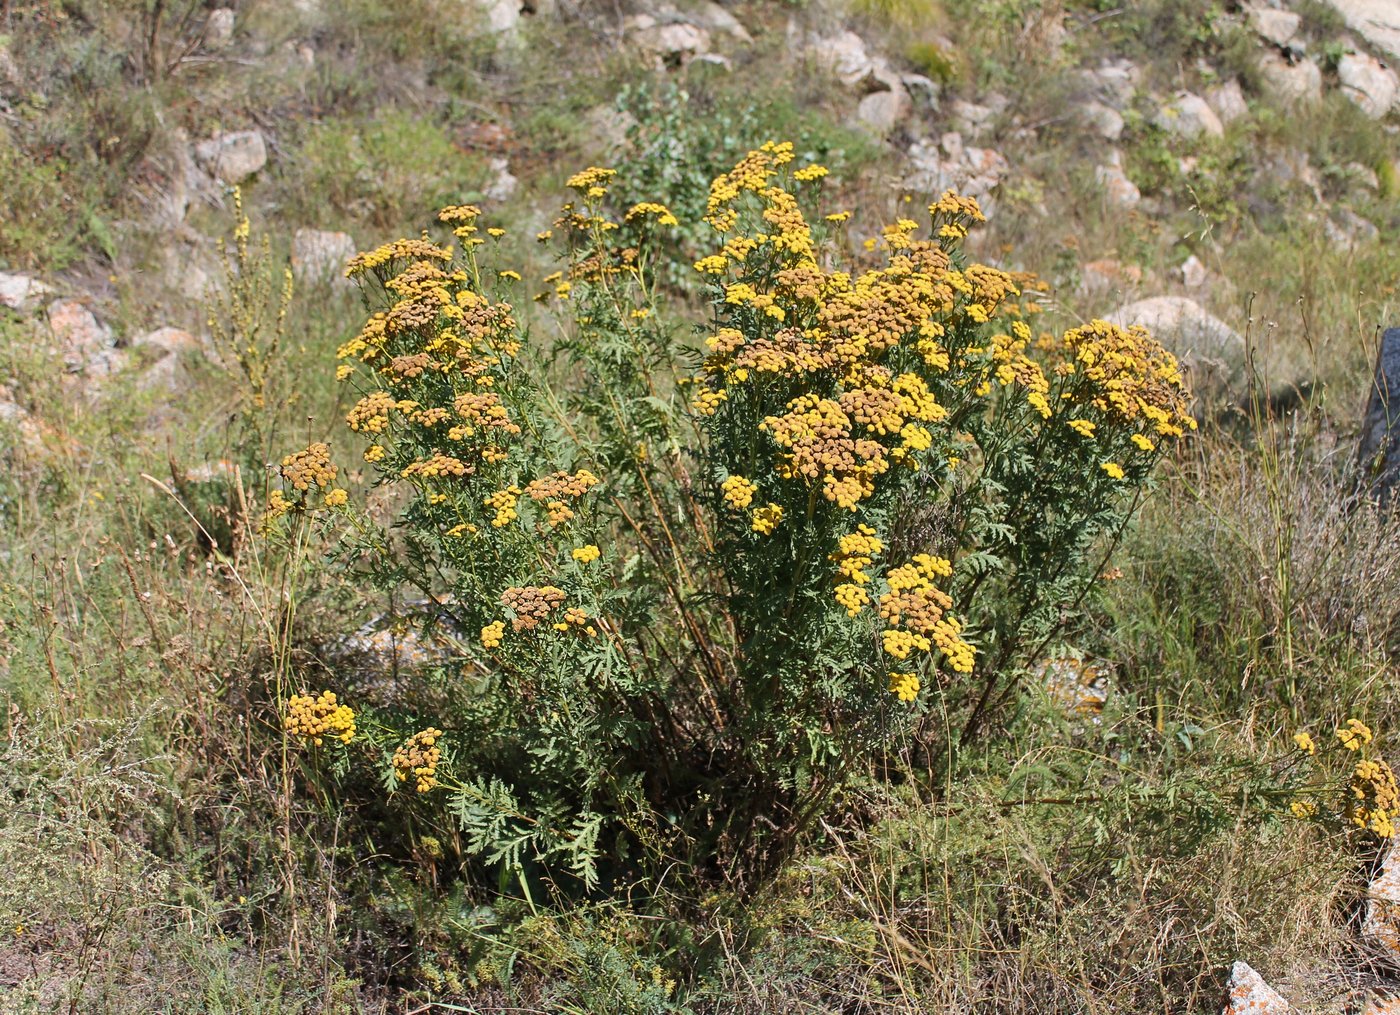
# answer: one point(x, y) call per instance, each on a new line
point(713, 587)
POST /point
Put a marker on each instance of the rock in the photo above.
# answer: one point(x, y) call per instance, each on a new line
point(388, 648)
point(1275, 26)
point(1293, 82)
point(233, 157)
point(1379, 460)
point(881, 112)
point(1209, 350)
point(609, 126)
point(87, 346)
point(318, 255)
point(1115, 82)
point(21, 293)
point(503, 185)
point(1248, 994)
point(843, 55)
point(169, 350)
point(1228, 101)
point(1381, 1006)
point(1103, 120)
point(1189, 116)
point(1363, 176)
point(1098, 278)
point(499, 15)
point(712, 16)
point(670, 44)
point(218, 28)
point(949, 164)
point(976, 118)
point(923, 92)
point(1119, 190)
point(17, 418)
point(1376, 21)
point(1193, 273)
point(1349, 230)
point(1369, 83)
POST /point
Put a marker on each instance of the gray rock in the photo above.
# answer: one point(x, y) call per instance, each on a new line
point(1247, 993)
point(503, 185)
point(1382, 921)
point(881, 112)
point(21, 293)
point(1189, 116)
point(1115, 82)
point(1377, 21)
point(949, 164)
point(168, 352)
point(673, 43)
point(712, 16)
point(1193, 273)
point(1102, 120)
point(1299, 81)
point(86, 345)
point(923, 92)
point(498, 15)
point(1120, 191)
point(218, 28)
point(1349, 230)
point(844, 55)
point(1276, 26)
point(1228, 102)
point(1210, 351)
point(319, 255)
point(1369, 83)
point(233, 157)
point(976, 118)
point(609, 126)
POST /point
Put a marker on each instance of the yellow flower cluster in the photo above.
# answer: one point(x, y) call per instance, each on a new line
point(419, 757)
point(587, 554)
point(660, 212)
point(1129, 377)
point(855, 552)
point(766, 519)
point(492, 633)
point(916, 613)
point(1354, 735)
point(1376, 798)
point(738, 492)
point(315, 717)
point(555, 489)
point(905, 686)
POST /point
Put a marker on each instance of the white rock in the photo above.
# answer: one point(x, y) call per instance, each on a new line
point(503, 185)
point(1248, 994)
point(1363, 175)
point(1377, 21)
point(218, 28)
point(844, 55)
point(499, 15)
point(233, 157)
point(1369, 83)
point(86, 345)
point(923, 91)
point(1294, 82)
point(714, 17)
point(1189, 116)
point(949, 164)
point(1103, 120)
point(168, 349)
point(21, 293)
point(1382, 921)
point(1209, 349)
point(1119, 190)
point(1115, 81)
point(1276, 26)
point(669, 43)
point(319, 255)
point(1228, 101)
point(610, 126)
point(1193, 273)
point(881, 112)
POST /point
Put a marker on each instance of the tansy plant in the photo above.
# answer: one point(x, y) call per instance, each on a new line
point(713, 581)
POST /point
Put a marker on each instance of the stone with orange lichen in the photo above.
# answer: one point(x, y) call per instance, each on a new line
point(1382, 922)
point(1248, 994)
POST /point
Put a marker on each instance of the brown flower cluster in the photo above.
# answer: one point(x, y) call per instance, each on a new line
point(311, 467)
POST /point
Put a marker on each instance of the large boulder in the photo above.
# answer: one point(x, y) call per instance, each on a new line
point(1211, 352)
point(1377, 21)
point(233, 157)
point(1295, 81)
point(949, 164)
point(88, 349)
point(21, 293)
point(668, 41)
point(1114, 82)
point(1228, 101)
point(1369, 83)
point(1189, 116)
point(1273, 25)
point(168, 353)
point(1120, 191)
